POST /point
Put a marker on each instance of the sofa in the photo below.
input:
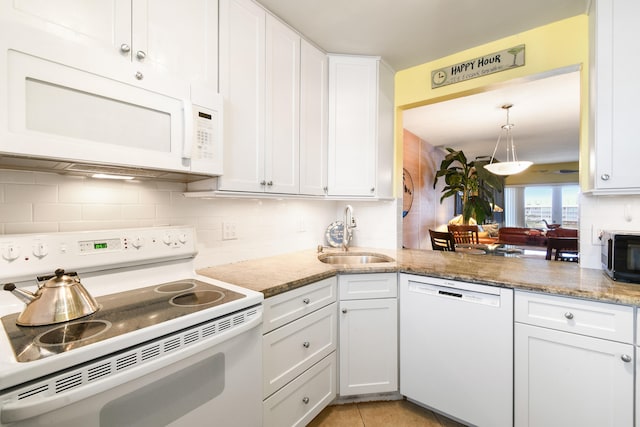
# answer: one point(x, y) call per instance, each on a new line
point(522, 236)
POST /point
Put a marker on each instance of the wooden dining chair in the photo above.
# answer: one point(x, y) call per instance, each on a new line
point(464, 233)
point(442, 241)
point(566, 248)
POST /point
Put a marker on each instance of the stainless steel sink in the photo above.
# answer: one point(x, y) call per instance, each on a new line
point(353, 258)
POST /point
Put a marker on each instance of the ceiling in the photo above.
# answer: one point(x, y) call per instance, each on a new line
point(545, 112)
point(407, 33)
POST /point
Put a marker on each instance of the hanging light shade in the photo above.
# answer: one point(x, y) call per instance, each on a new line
point(512, 165)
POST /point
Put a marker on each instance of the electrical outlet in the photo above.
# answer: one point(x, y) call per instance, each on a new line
point(229, 230)
point(596, 233)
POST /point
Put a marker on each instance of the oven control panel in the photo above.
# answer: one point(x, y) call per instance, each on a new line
point(22, 255)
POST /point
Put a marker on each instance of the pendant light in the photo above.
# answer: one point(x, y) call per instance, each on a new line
point(512, 165)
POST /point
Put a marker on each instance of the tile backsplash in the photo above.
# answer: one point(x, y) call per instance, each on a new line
point(38, 202)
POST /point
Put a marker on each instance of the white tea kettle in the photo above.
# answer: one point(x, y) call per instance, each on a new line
point(59, 298)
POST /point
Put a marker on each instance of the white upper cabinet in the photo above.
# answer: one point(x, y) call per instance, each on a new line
point(313, 119)
point(268, 76)
point(360, 127)
point(282, 139)
point(242, 84)
point(178, 39)
point(614, 97)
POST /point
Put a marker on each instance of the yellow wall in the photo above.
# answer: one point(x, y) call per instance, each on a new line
point(551, 47)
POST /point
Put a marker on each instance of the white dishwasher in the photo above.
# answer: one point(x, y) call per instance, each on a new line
point(456, 349)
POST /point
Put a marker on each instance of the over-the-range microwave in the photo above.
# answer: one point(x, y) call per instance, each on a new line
point(77, 109)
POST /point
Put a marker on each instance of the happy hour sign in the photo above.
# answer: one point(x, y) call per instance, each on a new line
point(478, 67)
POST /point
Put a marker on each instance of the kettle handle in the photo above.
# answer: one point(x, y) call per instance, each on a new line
point(59, 272)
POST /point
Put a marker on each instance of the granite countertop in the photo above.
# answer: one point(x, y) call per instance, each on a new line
point(277, 274)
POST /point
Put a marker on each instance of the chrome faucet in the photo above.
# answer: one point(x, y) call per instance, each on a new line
point(349, 225)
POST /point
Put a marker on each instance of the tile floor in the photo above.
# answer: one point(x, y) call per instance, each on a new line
point(397, 413)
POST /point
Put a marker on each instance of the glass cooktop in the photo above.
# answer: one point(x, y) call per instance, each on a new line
point(118, 314)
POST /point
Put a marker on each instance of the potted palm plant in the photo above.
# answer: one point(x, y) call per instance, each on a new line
point(472, 181)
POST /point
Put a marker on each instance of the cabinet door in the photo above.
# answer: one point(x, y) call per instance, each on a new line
point(103, 25)
point(353, 109)
point(282, 108)
point(313, 119)
point(617, 92)
point(242, 84)
point(297, 403)
point(180, 38)
point(368, 346)
point(292, 349)
point(564, 379)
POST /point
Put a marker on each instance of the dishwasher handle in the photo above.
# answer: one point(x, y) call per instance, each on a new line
point(451, 294)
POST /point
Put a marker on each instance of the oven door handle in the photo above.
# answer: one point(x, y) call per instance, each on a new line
point(11, 412)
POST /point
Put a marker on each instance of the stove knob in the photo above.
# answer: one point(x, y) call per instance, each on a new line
point(40, 249)
point(182, 237)
point(168, 239)
point(10, 252)
point(137, 242)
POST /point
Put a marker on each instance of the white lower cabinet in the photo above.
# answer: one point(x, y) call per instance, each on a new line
point(299, 354)
point(302, 399)
point(368, 345)
point(566, 376)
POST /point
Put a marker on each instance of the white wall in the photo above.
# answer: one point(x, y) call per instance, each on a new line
point(604, 212)
point(34, 202)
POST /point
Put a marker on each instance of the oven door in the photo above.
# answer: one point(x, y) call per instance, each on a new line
point(214, 384)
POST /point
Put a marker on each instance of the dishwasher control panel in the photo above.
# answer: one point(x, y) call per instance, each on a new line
point(486, 296)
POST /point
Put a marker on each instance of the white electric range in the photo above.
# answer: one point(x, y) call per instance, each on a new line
point(166, 347)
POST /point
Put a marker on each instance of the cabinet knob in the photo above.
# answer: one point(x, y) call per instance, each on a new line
point(139, 75)
point(625, 358)
point(305, 400)
point(373, 189)
point(124, 48)
point(306, 300)
point(141, 55)
point(263, 182)
point(306, 344)
point(344, 310)
point(269, 183)
point(568, 315)
point(605, 177)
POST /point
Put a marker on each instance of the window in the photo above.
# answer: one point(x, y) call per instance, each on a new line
point(532, 206)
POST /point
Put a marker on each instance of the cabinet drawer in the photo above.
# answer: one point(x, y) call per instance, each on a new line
point(290, 350)
point(365, 286)
point(596, 319)
point(303, 398)
point(289, 306)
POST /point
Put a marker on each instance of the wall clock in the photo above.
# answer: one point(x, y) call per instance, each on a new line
point(407, 195)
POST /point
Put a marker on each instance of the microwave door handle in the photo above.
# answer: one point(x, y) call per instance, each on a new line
point(609, 254)
point(189, 137)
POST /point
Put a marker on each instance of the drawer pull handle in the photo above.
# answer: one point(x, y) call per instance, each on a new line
point(625, 358)
point(305, 400)
point(305, 344)
point(344, 311)
point(568, 315)
point(306, 300)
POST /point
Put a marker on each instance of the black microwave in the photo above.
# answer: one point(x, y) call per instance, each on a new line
point(621, 255)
